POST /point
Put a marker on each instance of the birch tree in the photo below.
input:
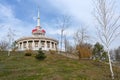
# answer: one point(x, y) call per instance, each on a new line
point(63, 23)
point(11, 34)
point(108, 24)
point(68, 46)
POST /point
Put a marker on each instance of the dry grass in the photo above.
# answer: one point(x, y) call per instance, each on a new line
point(54, 67)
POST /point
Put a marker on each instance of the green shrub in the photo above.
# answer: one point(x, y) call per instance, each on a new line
point(28, 54)
point(41, 55)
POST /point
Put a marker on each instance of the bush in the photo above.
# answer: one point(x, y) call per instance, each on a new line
point(84, 51)
point(28, 52)
point(99, 53)
point(41, 55)
point(52, 51)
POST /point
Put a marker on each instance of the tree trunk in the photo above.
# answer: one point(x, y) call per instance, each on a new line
point(110, 64)
point(8, 52)
point(61, 39)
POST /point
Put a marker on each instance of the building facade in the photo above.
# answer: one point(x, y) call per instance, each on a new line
point(37, 40)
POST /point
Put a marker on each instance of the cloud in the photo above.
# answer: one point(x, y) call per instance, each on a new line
point(79, 9)
point(8, 20)
point(5, 11)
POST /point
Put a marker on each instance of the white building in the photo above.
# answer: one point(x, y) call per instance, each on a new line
point(37, 40)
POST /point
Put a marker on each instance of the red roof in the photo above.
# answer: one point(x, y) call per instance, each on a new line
point(34, 30)
point(43, 30)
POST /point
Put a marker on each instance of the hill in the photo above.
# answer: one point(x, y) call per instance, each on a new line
point(54, 67)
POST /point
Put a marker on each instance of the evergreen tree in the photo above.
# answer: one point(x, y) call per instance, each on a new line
point(99, 52)
point(41, 55)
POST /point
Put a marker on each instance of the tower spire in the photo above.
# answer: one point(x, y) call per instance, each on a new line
point(38, 19)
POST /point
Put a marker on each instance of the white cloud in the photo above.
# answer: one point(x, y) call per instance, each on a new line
point(8, 20)
point(79, 9)
point(5, 11)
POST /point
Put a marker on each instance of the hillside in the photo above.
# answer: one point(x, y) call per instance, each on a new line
point(54, 67)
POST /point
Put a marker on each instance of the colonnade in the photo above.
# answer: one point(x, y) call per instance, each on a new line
point(36, 44)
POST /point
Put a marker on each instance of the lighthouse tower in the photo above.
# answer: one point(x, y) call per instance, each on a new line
point(37, 40)
point(38, 31)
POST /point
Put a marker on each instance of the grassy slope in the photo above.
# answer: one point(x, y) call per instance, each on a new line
point(54, 67)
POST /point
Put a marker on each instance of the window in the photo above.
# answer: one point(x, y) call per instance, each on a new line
point(30, 44)
point(48, 44)
point(36, 43)
point(52, 44)
point(55, 45)
point(42, 44)
point(20, 45)
point(24, 44)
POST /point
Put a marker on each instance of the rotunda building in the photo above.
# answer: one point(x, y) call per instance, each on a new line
point(37, 40)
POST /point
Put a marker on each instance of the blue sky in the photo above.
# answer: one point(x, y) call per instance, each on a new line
point(21, 15)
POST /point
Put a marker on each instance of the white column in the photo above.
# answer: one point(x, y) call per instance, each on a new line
point(39, 44)
point(22, 46)
point(33, 44)
point(27, 45)
point(50, 45)
point(54, 45)
point(18, 45)
point(45, 47)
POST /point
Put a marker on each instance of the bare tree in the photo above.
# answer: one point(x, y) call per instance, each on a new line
point(66, 42)
point(81, 35)
point(68, 46)
point(11, 34)
point(63, 23)
point(108, 24)
point(3, 45)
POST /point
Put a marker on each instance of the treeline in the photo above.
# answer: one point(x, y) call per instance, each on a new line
point(94, 52)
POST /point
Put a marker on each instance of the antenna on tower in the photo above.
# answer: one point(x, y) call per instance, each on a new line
point(38, 19)
point(38, 13)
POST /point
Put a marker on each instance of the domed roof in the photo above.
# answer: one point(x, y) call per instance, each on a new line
point(34, 30)
point(38, 31)
point(43, 31)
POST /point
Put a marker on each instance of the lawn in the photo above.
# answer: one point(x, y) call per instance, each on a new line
point(54, 67)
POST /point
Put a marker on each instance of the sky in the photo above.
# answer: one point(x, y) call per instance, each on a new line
point(21, 17)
